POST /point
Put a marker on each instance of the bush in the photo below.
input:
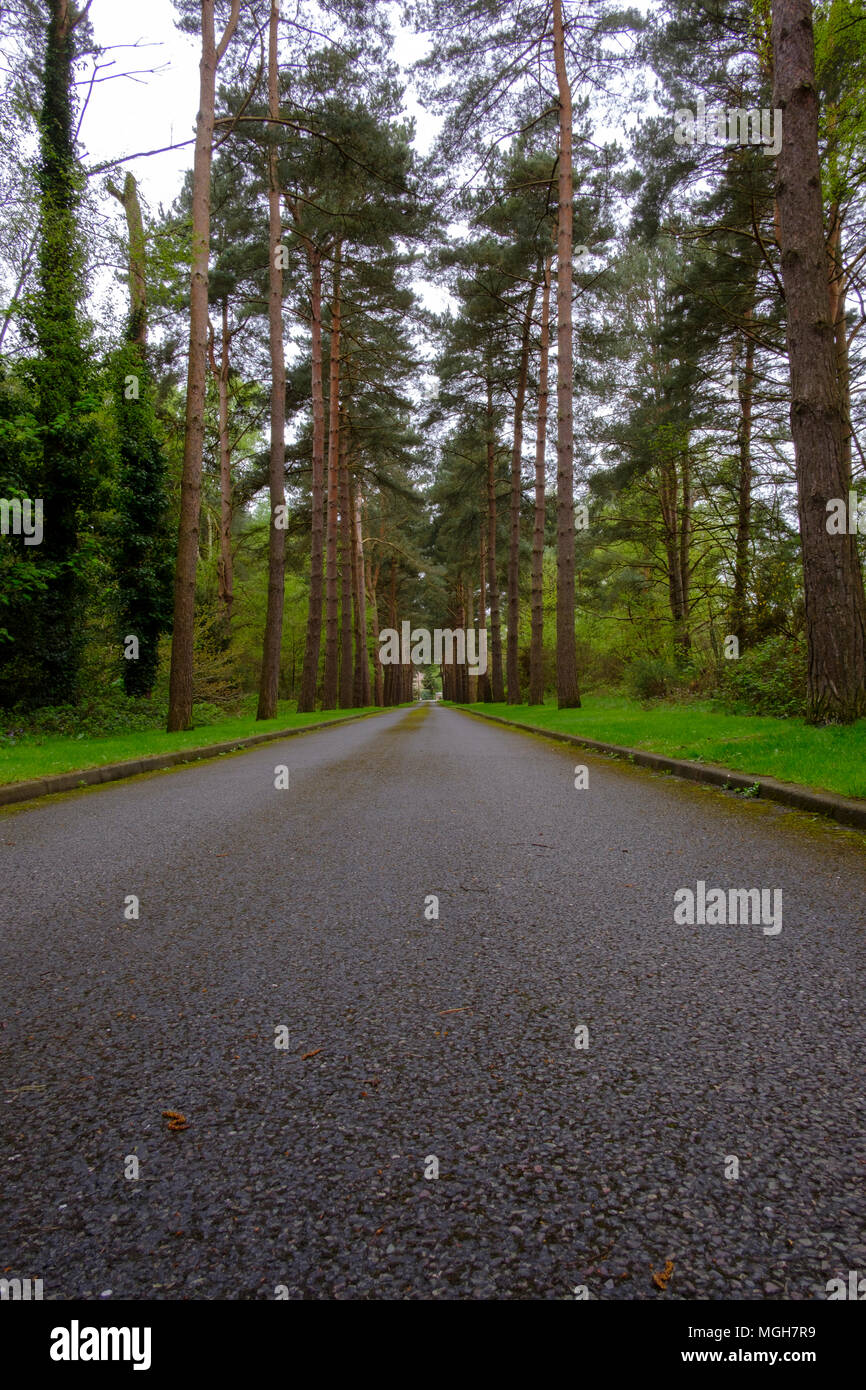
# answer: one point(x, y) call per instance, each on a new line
point(94, 717)
point(767, 679)
point(652, 678)
point(97, 717)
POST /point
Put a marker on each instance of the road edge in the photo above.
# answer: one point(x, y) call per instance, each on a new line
point(15, 792)
point(844, 810)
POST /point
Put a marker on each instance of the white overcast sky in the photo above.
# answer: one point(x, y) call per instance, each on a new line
point(158, 108)
point(126, 115)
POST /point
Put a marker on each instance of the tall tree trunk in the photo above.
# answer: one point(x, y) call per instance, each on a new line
point(838, 283)
point(329, 690)
point(225, 565)
point(392, 671)
point(131, 204)
point(461, 669)
point(685, 540)
point(347, 668)
point(512, 661)
point(140, 559)
point(744, 491)
point(273, 639)
point(536, 649)
point(669, 504)
point(471, 681)
point(484, 691)
point(373, 596)
point(361, 690)
point(226, 562)
point(180, 682)
point(496, 682)
point(52, 638)
point(310, 676)
point(568, 693)
point(833, 582)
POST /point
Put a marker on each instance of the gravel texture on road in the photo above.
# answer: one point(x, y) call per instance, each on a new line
point(306, 1171)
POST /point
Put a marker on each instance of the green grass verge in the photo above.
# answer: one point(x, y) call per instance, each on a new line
point(43, 756)
point(829, 759)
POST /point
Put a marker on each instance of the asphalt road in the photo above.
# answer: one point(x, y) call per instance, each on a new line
point(715, 1119)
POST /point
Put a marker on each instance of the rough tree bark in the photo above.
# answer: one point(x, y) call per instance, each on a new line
point(744, 491)
point(331, 676)
point(347, 669)
point(373, 597)
point(536, 649)
point(310, 675)
point(512, 662)
point(131, 204)
point(225, 563)
point(484, 691)
point(833, 582)
point(838, 282)
point(497, 685)
point(180, 682)
point(273, 638)
point(361, 687)
point(471, 681)
point(568, 693)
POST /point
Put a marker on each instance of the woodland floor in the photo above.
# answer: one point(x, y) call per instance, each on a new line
point(411, 1039)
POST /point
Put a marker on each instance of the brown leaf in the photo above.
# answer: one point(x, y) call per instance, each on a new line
point(661, 1278)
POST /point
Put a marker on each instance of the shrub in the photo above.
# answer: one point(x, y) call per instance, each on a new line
point(767, 679)
point(652, 678)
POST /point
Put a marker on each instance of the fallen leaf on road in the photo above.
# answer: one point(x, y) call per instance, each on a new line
point(661, 1279)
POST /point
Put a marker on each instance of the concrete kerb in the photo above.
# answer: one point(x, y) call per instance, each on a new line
point(117, 772)
point(845, 810)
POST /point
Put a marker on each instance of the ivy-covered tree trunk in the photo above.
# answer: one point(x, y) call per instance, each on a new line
point(62, 378)
point(536, 648)
point(137, 258)
point(142, 568)
point(181, 680)
point(832, 579)
point(273, 639)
